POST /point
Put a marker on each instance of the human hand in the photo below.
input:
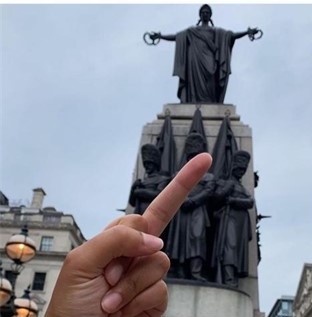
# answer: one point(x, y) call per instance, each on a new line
point(119, 272)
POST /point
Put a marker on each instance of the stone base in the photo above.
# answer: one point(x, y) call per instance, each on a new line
point(209, 111)
point(207, 301)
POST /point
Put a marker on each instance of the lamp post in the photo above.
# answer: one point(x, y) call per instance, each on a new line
point(20, 249)
point(5, 288)
point(24, 306)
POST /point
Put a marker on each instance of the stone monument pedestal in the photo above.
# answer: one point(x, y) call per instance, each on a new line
point(190, 300)
point(207, 300)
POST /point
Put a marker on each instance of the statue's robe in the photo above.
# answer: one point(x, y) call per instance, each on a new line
point(233, 231)
point(202, 63)
point(187, 231)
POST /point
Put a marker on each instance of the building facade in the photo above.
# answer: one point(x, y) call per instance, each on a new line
point(283, 307)
point(54, 234)
point(303, 298)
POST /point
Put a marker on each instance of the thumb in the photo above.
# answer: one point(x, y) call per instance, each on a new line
point(112, 243)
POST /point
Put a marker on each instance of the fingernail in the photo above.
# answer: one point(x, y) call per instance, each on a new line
point(152, 241)
point(114, 275)
point(111, 301)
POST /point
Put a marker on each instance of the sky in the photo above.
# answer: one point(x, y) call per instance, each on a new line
point(78, 84)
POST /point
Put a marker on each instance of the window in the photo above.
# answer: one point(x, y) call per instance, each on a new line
point(46, 243)
point(285, 307)
point(38, 282)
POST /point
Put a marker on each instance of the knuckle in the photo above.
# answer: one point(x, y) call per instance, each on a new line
point(131, 286)
point(136, 222)
point(162, 261)
point(151, 302)
point(71, 257)
point(121, 232)
point(163, 291)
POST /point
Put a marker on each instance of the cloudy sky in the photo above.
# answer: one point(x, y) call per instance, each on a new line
point(78, 84)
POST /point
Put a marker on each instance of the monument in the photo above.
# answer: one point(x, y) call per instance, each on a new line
point(212, 240)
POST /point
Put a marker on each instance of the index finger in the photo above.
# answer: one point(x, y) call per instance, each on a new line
point(165, 205)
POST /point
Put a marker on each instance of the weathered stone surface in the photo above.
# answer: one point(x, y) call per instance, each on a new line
point(204, 301)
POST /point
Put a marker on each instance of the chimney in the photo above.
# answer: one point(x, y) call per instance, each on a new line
point(37, 199)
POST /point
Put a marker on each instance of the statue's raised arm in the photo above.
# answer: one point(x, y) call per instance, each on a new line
point(251, 32)
point(154, 38)
point(203, 58)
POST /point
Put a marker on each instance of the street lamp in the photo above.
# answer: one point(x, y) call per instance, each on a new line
point(5, 288)
point(20, 249)
point(24, 306)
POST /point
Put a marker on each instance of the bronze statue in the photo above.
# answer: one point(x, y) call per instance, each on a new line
point(203, 58)
point(144, 191)
point(186, 243)
point(233, 227)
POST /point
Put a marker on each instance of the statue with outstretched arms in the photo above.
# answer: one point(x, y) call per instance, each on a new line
point(202, 58)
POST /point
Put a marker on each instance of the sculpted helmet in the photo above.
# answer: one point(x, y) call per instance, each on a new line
point(150, 153)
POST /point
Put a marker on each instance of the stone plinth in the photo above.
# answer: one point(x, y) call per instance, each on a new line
point(207, 301)
point(209, 111)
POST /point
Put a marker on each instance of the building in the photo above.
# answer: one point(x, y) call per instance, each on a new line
point(303, 298)
point(54, 234)
point(283, 307)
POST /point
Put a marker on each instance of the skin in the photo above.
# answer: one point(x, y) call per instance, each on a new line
point(119, 272)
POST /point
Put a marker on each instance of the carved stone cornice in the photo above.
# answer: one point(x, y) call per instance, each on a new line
point(303, 299)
